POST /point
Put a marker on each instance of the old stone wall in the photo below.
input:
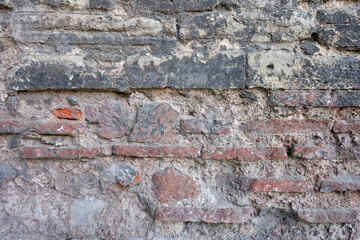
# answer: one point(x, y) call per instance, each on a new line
point(179, 119)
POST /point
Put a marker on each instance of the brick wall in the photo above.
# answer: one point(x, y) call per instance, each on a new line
point(207, 119)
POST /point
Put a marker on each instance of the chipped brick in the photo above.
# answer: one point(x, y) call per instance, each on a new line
point(68, 113)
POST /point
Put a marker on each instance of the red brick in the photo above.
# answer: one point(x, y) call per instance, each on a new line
point(341, 184)
point(157, 151)
point(49, 128)
point(68, 113)
point(279, 185)
point(312, 152)
point(172, 185)
point(315, 98)
point(59, 128)
point(277, 126)
point(328, 215)
point(245, 154)
point(62, 153)
point(156, 122)
point(208, 215)
point(347, 126)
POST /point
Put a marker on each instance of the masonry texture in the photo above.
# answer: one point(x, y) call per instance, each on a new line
point(179, 119)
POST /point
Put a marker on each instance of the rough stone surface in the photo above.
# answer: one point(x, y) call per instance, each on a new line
point(174, 119)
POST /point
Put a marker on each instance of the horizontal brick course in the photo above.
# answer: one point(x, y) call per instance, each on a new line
point(208, 215)
point(279, 185)
point(63, 153)
point(47, 128)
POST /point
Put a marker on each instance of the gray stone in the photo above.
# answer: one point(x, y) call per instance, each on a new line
point(102, 4)
point(7, 173)
point(15, 141)
point(73, 100)
point(86, 210)
point(119, 173)
point(280, 69)
point(340, 28)
point(309, 48)
point(12, 105)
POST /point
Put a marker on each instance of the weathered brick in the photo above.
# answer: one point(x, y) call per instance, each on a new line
point(208, 215)
point(68, 113)
point(63, 153)
point(279, 126)
point(157, 151)
point(347, 126)
point(156, 122)
point(48, 128)
point(312, 152)
point(340, 184)
point(279, 185)
point(59, 128)
point(315, 98)
point(172, 185)
point(92, 114)
point(245, 154)
point(328, 215)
